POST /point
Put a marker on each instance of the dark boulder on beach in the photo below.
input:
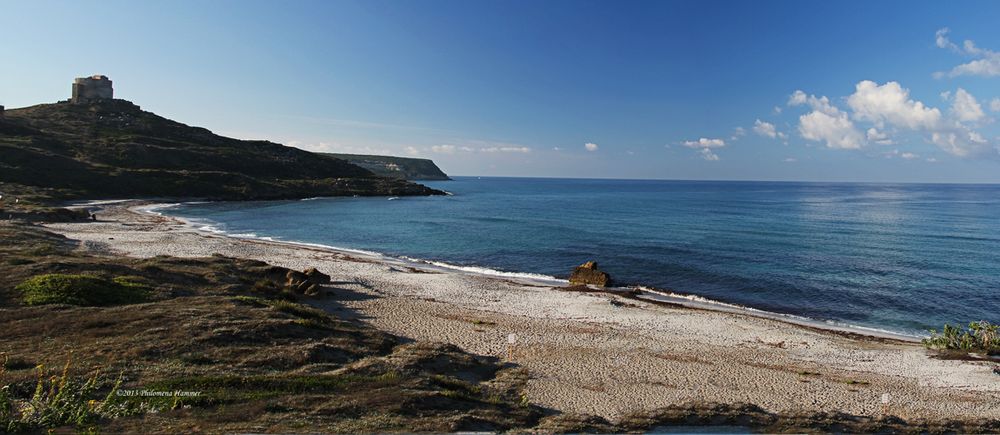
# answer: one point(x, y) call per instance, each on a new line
point(308, 282)
point(316, 276)
point(588, 274)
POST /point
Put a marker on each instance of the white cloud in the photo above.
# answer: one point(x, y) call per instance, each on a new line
point(931, 160)
point(986, 63)
point(790, 160)
point(797, 98)
point(524, 150)
point(995, 105)
point(777, 110)
point(767, 129)
point(960, 141)
point(879, 137)
point(965, 107)
point(443, 149)
point(704, 146)
point(826, 123)
point(705, 143)
point(556, 149)
point(450, 149)
point(333, 147)
point(941, 39)
point(821, 104)
point(590, 146)
point(890, 103)
point(836, 130)
point(738, 133)
point(411, 151)
point(901, 154)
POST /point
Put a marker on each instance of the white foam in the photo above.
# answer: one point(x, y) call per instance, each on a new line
point(711, 304)
point(487, 271)
point(102, 202)
point(322, 246)
point(156, 208)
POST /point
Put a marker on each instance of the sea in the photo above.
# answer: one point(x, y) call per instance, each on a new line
point(903, 258)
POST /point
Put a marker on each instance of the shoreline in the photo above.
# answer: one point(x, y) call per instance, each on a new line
point(645, 293)
point(596, 353)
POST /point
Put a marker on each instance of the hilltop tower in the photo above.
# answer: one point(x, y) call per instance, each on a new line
point(93, 88)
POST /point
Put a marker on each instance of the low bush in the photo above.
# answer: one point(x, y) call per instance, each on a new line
point(980, 337)
point(83, 290)
point(58, 402)
point(307, 316)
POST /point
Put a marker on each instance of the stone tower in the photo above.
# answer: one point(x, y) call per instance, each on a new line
point(93, 88)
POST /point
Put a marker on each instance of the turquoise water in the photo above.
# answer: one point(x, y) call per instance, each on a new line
point(899, 257)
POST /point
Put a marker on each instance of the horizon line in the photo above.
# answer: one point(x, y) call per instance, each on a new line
point(723, 181)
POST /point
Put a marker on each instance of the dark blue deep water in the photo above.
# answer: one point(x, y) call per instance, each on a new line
point(901, 257)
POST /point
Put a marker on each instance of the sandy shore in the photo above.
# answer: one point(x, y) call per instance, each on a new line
point(598, 353)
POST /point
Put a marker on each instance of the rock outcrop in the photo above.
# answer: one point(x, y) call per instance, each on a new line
point(316, 276)
point(588, 274)
point(306, 283)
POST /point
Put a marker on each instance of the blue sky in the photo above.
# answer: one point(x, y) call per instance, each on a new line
point(674, 90)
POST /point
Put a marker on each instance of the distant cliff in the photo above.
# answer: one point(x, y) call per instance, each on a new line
point(397, 167)
point(113, 149)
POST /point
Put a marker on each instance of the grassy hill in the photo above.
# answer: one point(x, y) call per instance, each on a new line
point(113, 149)
point(407, 168)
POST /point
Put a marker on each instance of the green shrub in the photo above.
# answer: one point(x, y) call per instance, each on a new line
point(59, 401)
point(83, 290)
point(299, 310)
point(980, 337)
point(307, 316)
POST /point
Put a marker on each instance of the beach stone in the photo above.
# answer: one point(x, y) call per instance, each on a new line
point(308, 282)
point(295, 278)
point(588, 274)
point(313, 291)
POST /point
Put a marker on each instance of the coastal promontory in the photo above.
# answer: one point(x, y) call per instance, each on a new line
point(111, 148)
point(407, 168)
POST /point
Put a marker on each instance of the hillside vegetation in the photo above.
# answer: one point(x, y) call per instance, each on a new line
point(256, 356)
point(113, 149)
point(233, 351)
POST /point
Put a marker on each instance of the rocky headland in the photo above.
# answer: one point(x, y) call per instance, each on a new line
point(111, 148)
point(407, 168)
